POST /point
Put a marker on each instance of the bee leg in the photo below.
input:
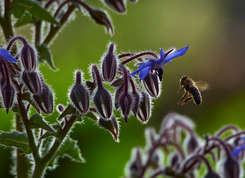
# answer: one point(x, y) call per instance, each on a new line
point(187, 100)
point(182, 98)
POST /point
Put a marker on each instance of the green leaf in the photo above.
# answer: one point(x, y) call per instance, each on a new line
point(35, 9)
point(24, 19)
point(15, 139)
point(45, 55)
point(37, 121)
point(70, 149)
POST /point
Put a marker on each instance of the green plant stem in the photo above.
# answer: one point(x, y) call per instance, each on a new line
point(38, 28)
point(55, 29)
point(22, 163)
point(28, 129)
point(40, 166)
point(49, 156)
point(6, 22)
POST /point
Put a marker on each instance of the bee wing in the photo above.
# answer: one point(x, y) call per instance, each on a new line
point(201, 85)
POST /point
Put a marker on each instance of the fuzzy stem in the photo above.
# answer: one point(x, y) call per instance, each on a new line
point(55, 29)
point(49, 156)
point(227, 128)
point(139, 55)
point(6, 22)
point(38, 32)
point(25, 120)
point(38, 170)
point(22, 163)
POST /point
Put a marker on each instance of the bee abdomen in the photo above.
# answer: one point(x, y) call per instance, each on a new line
point(196, 95)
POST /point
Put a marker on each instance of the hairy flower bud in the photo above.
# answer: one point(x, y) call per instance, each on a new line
point(117, 83)
point(100, 17)
point(151, 84)
point(109, 64)
point(144, 110)
point(125, 103)
point(79, 95)
point(117, 5)
point(45, 99)
point(110, 125)
point(212, 174)
point(175, 160)
point(117, 95)
point(32, 81)
point(28, 58)
point(135, 166)
point(231, 168)
point(102, 98)
point(192, 144)
point(8, 93)
point(136, 101)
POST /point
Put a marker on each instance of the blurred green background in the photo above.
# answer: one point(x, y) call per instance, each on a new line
point(215, 32)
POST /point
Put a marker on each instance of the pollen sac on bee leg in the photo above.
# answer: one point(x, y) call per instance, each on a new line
point(32, 81)
point(117, 5)
point(79, 95)
point(151, 84)
point(45, 99)
point(28, 58)
point(144, 110)
point(109, 64)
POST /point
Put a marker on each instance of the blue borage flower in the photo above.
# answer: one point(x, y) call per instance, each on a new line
point(4, 54)
point(158, 64)
point(238, 149)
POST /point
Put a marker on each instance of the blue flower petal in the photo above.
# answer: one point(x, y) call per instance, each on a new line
point(237, 150)
point(175, 54)
point(144, 72)
point(141, 67)
point(162, 54)
point(7, 56)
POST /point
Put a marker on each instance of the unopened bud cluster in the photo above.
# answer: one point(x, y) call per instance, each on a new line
point(184, 160)
point(20, 77)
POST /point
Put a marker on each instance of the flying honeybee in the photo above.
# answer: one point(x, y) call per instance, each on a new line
point(192, 90)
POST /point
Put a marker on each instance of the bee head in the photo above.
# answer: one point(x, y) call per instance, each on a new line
point(183, 79)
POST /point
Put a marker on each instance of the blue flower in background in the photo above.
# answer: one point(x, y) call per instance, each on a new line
point(158, 64)
point(4, 54)
point(238, 149)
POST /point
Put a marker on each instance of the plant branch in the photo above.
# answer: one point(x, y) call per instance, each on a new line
point(49, 156)
point(6, 22)
point(28, 129)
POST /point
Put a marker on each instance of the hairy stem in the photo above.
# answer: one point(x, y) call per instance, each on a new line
point(50, 155)
point(39, 170)
point(55, 29)
point(22, 163)
point(28, 129)
point(38, 28)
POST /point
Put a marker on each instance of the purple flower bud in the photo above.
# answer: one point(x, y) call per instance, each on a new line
point(117, 83)
point(117, 95)
point(102, 98)
point(231, 168)
point(144, 110)
point(156, 159)
point(79, 95)
point(136, 101)
point(175, 160)
point(110, 125)
point(8, 93)
point(117, 5)
point(212, 174)
point(125, 103)
point(28, 58)
point(135, 166)
point(32, 81)
point(101, 17)
point(151, 84)
point(109, 64)
point(134, 1)
point(60, 108)
point(45, 99)
point(192, 144)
